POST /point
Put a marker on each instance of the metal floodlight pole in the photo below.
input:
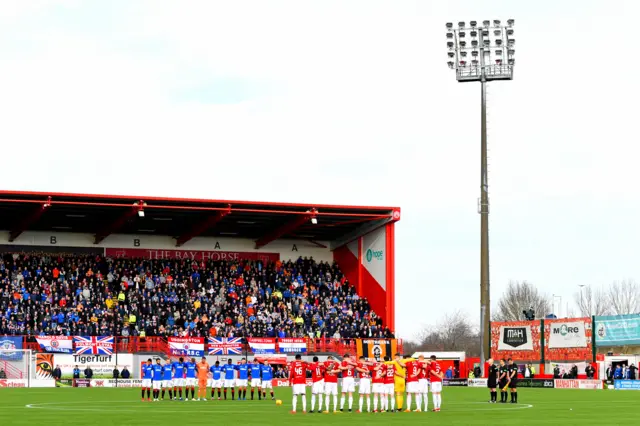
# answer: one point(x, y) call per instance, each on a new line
point(491, 49)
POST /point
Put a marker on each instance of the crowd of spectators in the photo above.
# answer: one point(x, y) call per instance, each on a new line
point(73, 294)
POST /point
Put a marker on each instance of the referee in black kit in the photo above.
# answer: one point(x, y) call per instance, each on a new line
point(492, 381)
point(513, 381)
point(503, 380)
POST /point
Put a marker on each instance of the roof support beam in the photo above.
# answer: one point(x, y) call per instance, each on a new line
point(287, 228)
point(135, 209)
point(201, 227)
point(29, 220)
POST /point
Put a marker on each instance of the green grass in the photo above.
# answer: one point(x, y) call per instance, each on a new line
point(461, 406)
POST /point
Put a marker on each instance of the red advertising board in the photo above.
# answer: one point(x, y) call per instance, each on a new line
point(568, 351)
point(526, 348)
point(196, 255)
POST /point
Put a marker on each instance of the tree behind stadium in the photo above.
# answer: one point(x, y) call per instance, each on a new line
point(519, 297)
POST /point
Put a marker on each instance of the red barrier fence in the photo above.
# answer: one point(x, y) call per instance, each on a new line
point(159, 344)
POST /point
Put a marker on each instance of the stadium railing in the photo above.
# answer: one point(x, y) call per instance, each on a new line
point(159, 344)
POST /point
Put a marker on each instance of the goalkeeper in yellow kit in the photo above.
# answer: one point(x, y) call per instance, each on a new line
point(399, 378)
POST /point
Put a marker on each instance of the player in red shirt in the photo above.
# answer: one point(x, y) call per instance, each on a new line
point(413, 376)
point(317, 377)
point(379, 371)
point(435, 374)
point(332, 368)
point(348, 368)
point(365, 370)
point(298, 380)
point(424, 384)
point(389, 386)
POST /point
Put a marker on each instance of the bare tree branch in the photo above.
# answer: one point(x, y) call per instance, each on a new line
point(592, 302)
point(454, 333)
point(521, 296)
point(624, 297)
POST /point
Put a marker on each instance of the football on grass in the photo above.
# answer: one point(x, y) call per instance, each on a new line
point(278, 402)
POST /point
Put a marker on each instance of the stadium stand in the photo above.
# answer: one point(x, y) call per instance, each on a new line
point(76, 294)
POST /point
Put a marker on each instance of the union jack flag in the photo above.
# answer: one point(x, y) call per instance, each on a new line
point(225, 346)
point(93, 345)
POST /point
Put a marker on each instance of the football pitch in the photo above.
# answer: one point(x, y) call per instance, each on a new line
point(463, 406)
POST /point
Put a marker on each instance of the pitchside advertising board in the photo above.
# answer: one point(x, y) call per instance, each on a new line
point(102, 365)
point(617, 330)
point(626, 384)
point(515, 338)
point(577, 384)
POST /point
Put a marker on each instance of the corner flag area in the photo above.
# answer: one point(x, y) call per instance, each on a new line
point(466, 406)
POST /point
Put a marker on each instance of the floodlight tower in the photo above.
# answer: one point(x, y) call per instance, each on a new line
point(482, 53)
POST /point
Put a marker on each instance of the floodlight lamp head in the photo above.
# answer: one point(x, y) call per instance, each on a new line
point(511, 42)
point(497, 32)
point(463, 63)
point(499, 42)
point(498, 61)
point(510, 31)
point(512, 61)
point(463, 44)
point(474, 53)
point(473, 24)
point(461, 24)
point(499, 52)
point(450, 44)
point(510, 22)
point(450, 64)
point(463, 53)
point(451, 54)
point(512, 52)
point(462, 34)
point(496, 22)
point(474, 43)
point(486, 23)
point(474, 33)
point(449, 25)
point(449, 35)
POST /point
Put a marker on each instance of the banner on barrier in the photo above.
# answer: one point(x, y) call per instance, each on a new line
point(82, 383)
point(58, 344)
point(187, 346)
point(11, 347)
point(376, 348)
point(292, 345)
point(577, 384)
point(478, 383)
point(626, 384)
point(262, 345)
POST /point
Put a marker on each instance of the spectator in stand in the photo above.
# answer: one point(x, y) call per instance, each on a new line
point(125, 373)
point(589, 371)
point(116, 373)
point(88, 373)
point(57, 373)
point(449, 373)
point(617, 374)
point(556, 372)
point(574, 372)
point(633, 370)
point(76, 372)
point(67, 294)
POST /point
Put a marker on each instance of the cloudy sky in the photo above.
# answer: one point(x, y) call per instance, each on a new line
point(345, 102)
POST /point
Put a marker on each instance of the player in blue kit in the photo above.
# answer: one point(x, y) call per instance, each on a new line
point(167, 383)
point(191, 368)
point(267, 379)
point(147, 376)
point(229, 378)
point(157, 379)
point(243, 378)
point(256, 377)
point(178, 378)
point(216, 380)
